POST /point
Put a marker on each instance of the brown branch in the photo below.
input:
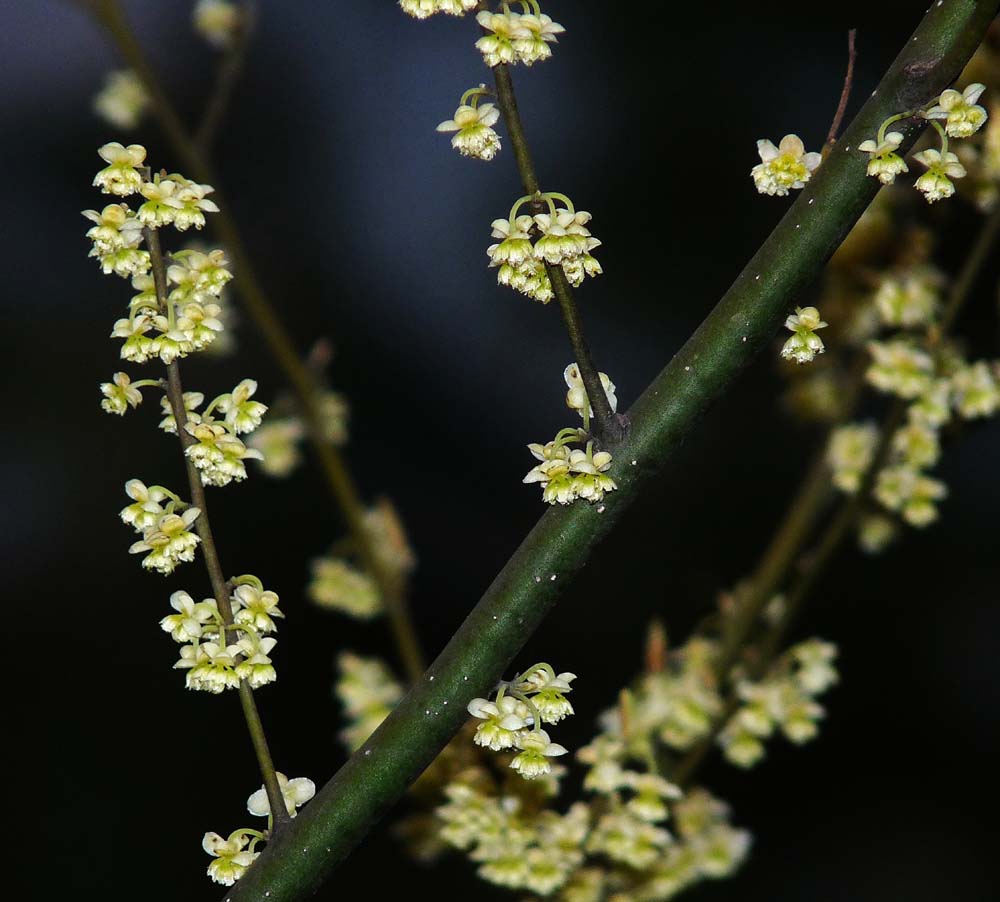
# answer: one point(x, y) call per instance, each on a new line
point(845, 93)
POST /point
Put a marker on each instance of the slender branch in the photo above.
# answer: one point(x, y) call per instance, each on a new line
point(261, 310)
point(607, 427)
point(216, 575)
point(525, 590)
point(845, 93)
point(227, 77)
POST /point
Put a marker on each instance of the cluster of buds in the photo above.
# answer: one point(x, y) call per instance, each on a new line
point(218, 655)
point(473, 126)
point(804, 344)
point(961, 116)
point(513, 718)
point(528, 244)
point(785, 700)
point(368, 691)
point(163, 520)
point(517, 37)
point(232, 855)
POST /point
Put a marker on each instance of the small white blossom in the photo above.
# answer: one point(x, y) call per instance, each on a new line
point(278, 441)
point(536, 749)
point(256, 607)
point(537, 32)
point(120, 176)
point(909, 298)
point(783, 167)
point(883, 162)
point(146, 510)
point(935, 183)
point(122, 100)
point(963, 116)
point(214, 667)
point(498, 46)
point(168, 542)
point(474, 133)
point(230, 856)
point(503, 721)
point(242, 414)
point(188, 624)
point(161, 204)
point(256, 667)
point(296, 792)
point(119, 394)
point(804, 344)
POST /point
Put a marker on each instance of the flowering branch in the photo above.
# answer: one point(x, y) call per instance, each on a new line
point(743, 321)
point(845, 93)
point(337, 476)
point(607, 426)
point(175, 393)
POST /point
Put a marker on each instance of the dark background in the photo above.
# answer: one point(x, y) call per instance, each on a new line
point(368, 229)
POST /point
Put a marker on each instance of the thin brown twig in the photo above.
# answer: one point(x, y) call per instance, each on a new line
point(845, 94)
point(216, 575)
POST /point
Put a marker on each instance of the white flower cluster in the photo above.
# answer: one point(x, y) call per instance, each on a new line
point(566, 473)
point(123, 100)
point(513, 844)
point(962, 117)
point(218, 657)
point(517, 37)
point(473, 126)
point(233, 855)
point(526, 244)
point(935, 387)
point(187, 320)
point(216, 448)
point(421, 9)
point(514, 718)
point(785, 700)
point(784, 167)
point(804, 344)
point(368, 692)
point(163, 521)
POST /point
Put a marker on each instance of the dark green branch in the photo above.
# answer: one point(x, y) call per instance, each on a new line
point(742, 323)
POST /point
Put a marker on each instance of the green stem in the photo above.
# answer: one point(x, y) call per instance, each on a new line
point(608, 428)
point(743, 322)
point(337, 476)
point(175, 392)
